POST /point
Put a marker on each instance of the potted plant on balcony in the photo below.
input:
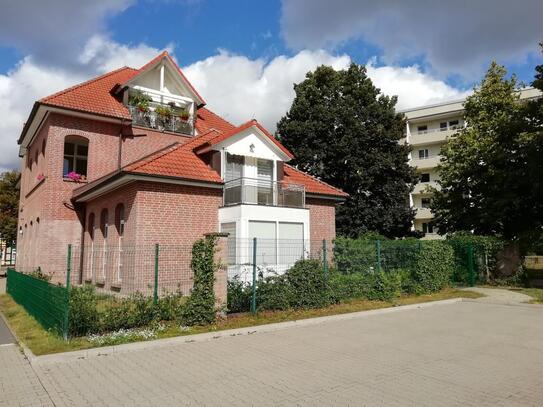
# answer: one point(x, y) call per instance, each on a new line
point(164, 114)
point(140, 100)
point(184, 115)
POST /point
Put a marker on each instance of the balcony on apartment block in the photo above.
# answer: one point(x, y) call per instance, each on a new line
point(421, 187)
point(254, 191)
point(426, 163)
point(423, 213)
point(434, 136)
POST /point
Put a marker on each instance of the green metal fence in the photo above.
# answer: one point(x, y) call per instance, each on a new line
point(46, 302)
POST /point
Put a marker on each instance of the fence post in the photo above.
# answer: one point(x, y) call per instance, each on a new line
point(324, 259)
point(68, 281)
point(253, 298)
point(155, 293)
point(471, 270)
point(378, 251)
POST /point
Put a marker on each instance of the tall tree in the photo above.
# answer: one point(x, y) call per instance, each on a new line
point(492, 172)
point(9, 204)
point(343, 131)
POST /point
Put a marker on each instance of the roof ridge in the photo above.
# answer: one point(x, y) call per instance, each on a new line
point(315, 178)
point(149, 158)
point(89, 81)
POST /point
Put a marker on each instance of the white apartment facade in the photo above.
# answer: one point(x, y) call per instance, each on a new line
point(427, 129)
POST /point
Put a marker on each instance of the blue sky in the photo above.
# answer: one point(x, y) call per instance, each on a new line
point(244, 56)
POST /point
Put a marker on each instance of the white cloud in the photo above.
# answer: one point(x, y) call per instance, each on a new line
point(457, 37)
point(234, 86)
point(241, 89)
point(412, 86)
point(31, 80)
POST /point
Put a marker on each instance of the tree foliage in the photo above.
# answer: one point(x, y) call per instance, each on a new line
point(343, 131)
point(9, 204)
point(492, 171)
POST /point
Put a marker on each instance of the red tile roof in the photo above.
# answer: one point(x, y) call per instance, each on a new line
point(312, 184)
point(95, 96)
point(179, 161)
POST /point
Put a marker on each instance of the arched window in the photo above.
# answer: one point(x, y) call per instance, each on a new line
point(43, 144)
point(104, 223)
point(76, 151)
point(91, 226)
point(119, 219)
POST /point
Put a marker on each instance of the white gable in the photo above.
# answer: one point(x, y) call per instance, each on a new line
point(252, 143)
point(164, 79)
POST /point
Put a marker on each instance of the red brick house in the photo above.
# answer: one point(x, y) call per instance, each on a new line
point(134, 158)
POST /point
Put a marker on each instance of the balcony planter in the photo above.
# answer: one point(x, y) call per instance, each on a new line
point(140, 101)
point(184, 116)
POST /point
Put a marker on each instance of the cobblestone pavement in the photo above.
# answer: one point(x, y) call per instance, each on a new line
point(462, 354)
point(19, 385)
point(500, 295)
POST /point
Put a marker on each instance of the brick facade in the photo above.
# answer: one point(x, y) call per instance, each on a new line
point(171, 215)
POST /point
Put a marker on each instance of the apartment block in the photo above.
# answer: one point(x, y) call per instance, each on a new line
point(427, 129)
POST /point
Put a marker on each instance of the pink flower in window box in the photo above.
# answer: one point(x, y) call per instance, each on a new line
point(40, 176)
point(74, 176)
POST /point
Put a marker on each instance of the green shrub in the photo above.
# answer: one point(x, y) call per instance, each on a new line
point(200, 307)
point(307, 282)
point(125, 313)
point(274, 293)
point(384, 286)
point(169, 307)
point(435, 267)
point(355, 255)
point(83, 318)
point(348, 286)
point(238, 296)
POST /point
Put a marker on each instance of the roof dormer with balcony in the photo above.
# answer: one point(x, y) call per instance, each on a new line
point(160, 97)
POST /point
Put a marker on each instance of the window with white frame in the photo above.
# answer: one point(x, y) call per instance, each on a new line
point(76, 151)
point(427, 227)
point(423, 154)
point(422, 129)
point(454, 124)
point(425, 177)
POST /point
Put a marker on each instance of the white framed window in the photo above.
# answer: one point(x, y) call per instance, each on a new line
point(427, 227)
point(76, 151)
point(423, 154)
point(443, 126)
point(454, 124)
point(425, 177)
point(422, 129)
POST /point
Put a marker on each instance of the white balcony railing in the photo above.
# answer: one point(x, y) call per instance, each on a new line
point(177, 122)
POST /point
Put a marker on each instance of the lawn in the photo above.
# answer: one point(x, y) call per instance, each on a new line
point(42, 342)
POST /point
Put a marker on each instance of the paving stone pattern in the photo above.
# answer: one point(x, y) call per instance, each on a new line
point(462, 354)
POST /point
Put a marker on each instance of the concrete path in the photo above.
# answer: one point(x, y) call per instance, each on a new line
point(461, 354)
point(500, 296)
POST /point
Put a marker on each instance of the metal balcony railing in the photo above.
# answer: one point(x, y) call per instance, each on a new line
point(263, 192)
point(153, 120)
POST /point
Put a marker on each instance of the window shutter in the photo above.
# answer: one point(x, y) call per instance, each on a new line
point(280, 170)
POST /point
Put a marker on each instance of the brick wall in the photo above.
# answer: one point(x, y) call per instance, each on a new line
point(47, 218)
point(322, 218)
